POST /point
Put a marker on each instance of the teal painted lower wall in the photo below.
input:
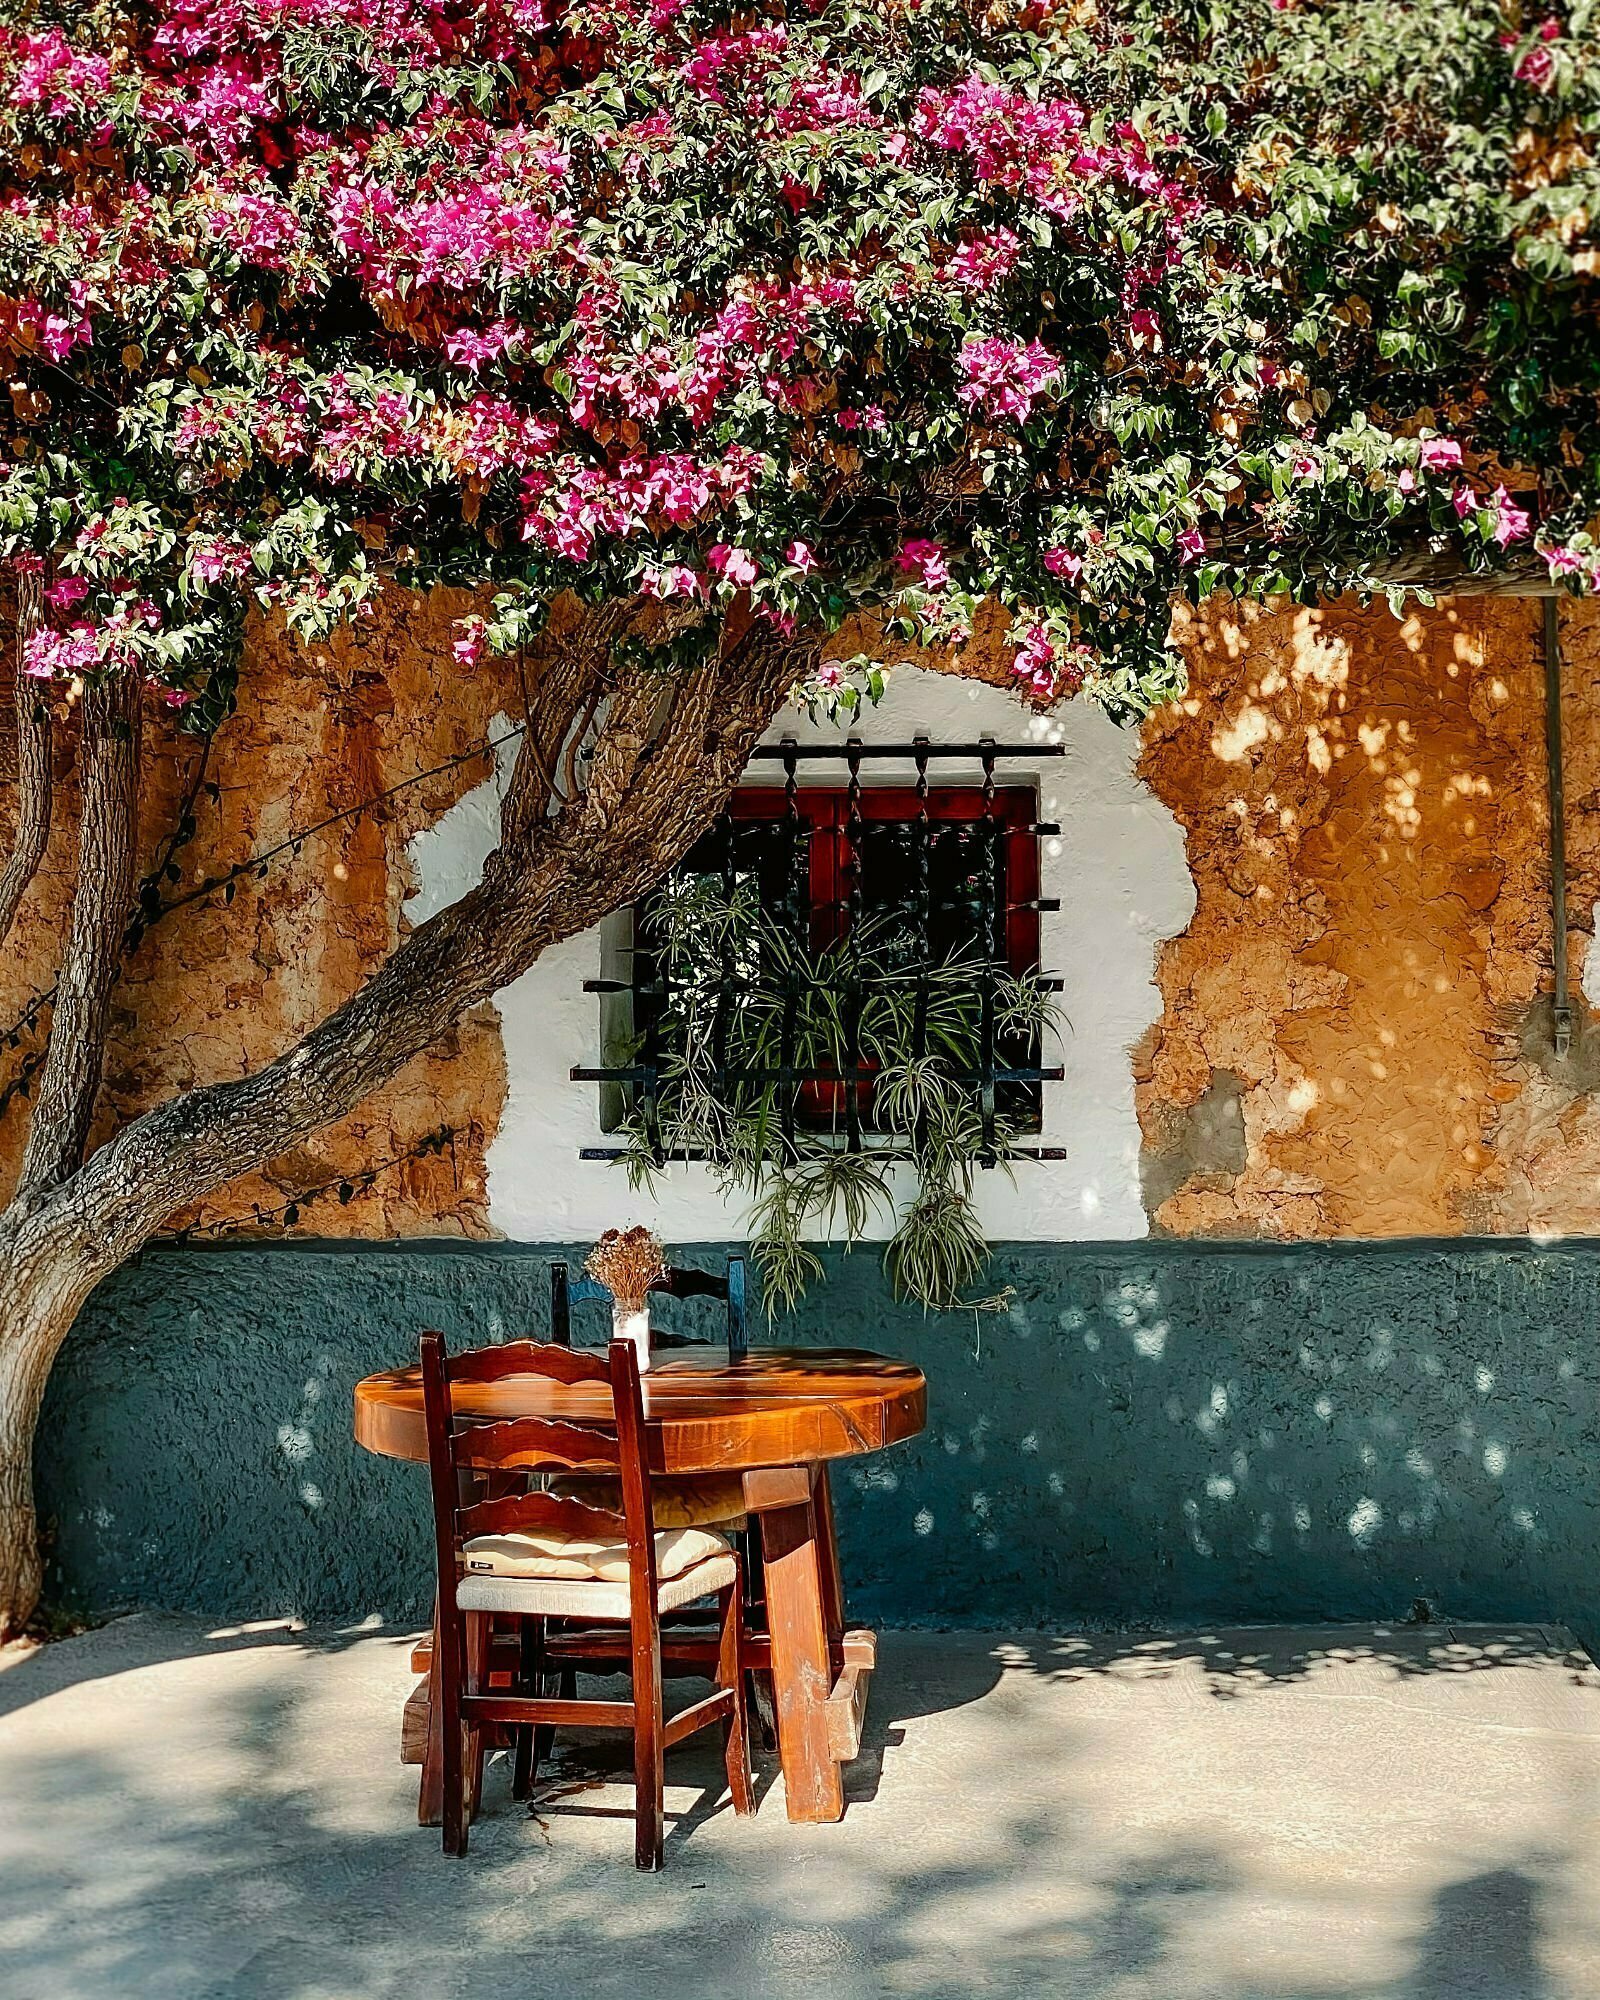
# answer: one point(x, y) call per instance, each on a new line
point(1158, 1432)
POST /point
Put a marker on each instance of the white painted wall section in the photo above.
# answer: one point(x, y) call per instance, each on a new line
point(1117, 865)
point(1590, 982)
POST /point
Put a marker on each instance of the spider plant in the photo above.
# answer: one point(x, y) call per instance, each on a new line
point(755, 1010)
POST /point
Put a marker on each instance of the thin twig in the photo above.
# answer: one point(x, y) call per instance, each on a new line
point(575, 742)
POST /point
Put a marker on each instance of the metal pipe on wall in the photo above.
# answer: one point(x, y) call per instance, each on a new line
point(1561, 1008)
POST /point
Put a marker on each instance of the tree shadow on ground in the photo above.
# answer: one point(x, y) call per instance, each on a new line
point(251, 1835)
point(1235, 1661)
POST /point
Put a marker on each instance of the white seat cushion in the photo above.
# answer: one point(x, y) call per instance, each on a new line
point(584, 1558)
point(576, 1597)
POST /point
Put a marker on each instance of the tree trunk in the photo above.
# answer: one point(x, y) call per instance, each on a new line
point(108, 836)
point(666, 757)
point(45, 1276)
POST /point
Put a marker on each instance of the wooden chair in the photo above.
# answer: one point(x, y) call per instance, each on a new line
point(567, 1292)
point(534, 1556)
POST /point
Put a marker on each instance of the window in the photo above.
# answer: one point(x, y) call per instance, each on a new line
point(939, 872)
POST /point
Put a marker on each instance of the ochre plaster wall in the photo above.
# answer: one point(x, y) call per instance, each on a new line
point(217, 989)
point(1350, 1043)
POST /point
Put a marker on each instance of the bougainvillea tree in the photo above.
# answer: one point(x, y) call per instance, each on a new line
point(717, 325)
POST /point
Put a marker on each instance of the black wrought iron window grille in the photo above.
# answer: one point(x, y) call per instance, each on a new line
point(942, 876)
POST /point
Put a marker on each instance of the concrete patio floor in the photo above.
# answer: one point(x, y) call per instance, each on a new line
point(1351, 1814)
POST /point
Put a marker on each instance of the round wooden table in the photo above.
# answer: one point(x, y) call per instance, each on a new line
point(777, 1415)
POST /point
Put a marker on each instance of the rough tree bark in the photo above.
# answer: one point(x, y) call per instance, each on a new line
point(108, 842)
point(30, 833)
point(665, 755)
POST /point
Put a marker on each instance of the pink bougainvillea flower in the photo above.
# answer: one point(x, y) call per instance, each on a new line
point(982, 263)
point(924, 560)
point(1004, 377)
point(66, 592)
point(871, 417)
point(1034, 660)
point(1511, 522)
point(800, 557)
point(488, 434)
point(48, 656)
point(1010, 138)
point(1191, 544)
point(1407, 480)
point(670, 580)
point(1465, 502)
point(1438, 454)
point(1064, 563)
point(52, 73)
point(55, 333)
point(260, 227)
point(468, 644)
point(734, 565)
point(472, 350)
point(1537, 68)
point(1563, 561)
point(219, 559)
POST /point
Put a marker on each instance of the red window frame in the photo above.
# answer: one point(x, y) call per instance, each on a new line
point(828, 809)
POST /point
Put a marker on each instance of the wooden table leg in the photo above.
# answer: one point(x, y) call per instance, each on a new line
point(828, 1558)
point(856, 1652)
point(801, 1660)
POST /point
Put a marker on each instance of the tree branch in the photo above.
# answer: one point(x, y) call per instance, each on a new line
point(569, 673)
point(107, 858)
point(31, 834)
point(550, 878)
point(662, 809)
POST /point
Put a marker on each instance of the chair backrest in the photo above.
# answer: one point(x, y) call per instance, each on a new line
point(465, 1456)
point(567, 1291)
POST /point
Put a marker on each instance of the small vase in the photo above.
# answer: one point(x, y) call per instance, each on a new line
point(634, 1327)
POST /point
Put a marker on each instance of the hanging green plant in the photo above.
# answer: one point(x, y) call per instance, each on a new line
point(805, 1074)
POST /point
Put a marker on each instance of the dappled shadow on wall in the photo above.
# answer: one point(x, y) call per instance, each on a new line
point(1250, 1434)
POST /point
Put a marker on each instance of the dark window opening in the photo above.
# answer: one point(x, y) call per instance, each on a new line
point(941, 872)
